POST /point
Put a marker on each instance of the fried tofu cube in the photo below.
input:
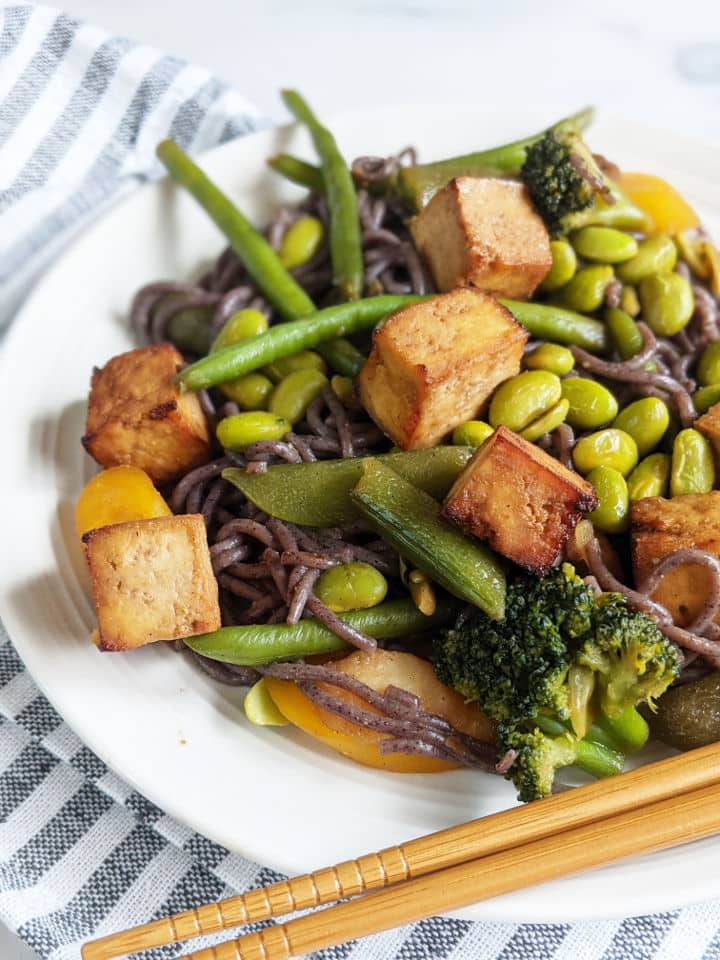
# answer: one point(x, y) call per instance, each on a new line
point(659, 527)
point(709, 425)
point(520, 499)
point(484, 233)
point(137, 416)
point(151, 580)
point(434, 364)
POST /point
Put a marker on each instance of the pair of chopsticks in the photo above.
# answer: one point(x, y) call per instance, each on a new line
point(654, 807)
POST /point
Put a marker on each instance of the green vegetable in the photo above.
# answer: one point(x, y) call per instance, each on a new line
point(646, 421)
point(667, 303)
point(561, 674)
point(655, 255)
point(650, 478)
point(611, 513)
point(523, 398)
point(351, 586)
point(318, 494)
point(412, 522)
point(688, 716)
point(286, 339)
point(293, 395)
point(342, 356)
point(552, 357)
point(241, 326)
point(251, 392)
point(604, 245)
point(629, 301)
point(548, 322)
point(472, 433)
point(708, 369)
point(298, 171)
point(304, 360)
point(624, 333)
point(591, 404)
point(242, 429)
point(586, 291)
point(564, 265)
point(261, 643)
point(260, 707)
point(189, 330)
point(301, 242)
point(549, 421)
point(345, 238)
point(693, 468)
point(606, 448)
point(706, 397)
point(568, 188)
point(261, 261)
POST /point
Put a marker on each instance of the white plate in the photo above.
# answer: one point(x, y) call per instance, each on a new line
point(271, 795)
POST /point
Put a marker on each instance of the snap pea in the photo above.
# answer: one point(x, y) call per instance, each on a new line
point(241, 326)
point(523, 398)
point(655, 255)
point(298, 171)
point(692, 469)
point(564, 265)
point(604, 244)
point(251, 392)
point(345, 235)
point(708, 370)
point(586, 291)
point(611, 513)
point(242, 429)
point(302, 241)
point(318, 494)
point(629, 301)
point(258, 644)
point(189, 330)
point(552, 357)
point(646, 421)
point(549, 421)
point(549, 322)
point(351, 586)
point(412, 522)
point(285, 339)
point(667, 303)
point(706, 397)
point(650, 478)
point(606, 448)
point(624, 333)
point(261, 261)
point(304, 360)
point(472, 433)
point(591, 405)
point(293, 395)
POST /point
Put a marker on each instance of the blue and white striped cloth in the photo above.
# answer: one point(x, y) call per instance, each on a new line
point(81, 853)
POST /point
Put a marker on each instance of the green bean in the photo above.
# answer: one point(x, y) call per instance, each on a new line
point(604, 244)
point(552, 357)
point(591, 405)
point(667, 303)
point(523, 398)
point(293, 395)
point(304, 360)
point(342, 356)
point(242, 429)
point(472, 433)
point(345, 234)
point(298, 171)
point(548, 322)
point(564, 264)
point(606, 448)
point(655, 255)
point(708, 370)
point(258, 644)
point(351, 586)
point(251, 392)
point(302, 241)
point(646, 421)
point(241, 326)
point(260, 260)
point(624, 332)
point(287, 338)
point(693, 468)
point(650, 478)
point(549, 421)
point(586, 291)
point(611, 513)
point(412, 522)
point(706, 397)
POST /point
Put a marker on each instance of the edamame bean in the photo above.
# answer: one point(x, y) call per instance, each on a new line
point(624, 332)
point(604, 244)
point(667, 303)
point(304, 360)
point(524, 398)
point(552, 357)
point(629, 301)
point(250, 392)
point(344, 390)
point(646, 421)
point(655, 255)
point(351, 586)
point(242, 429)
point(564, 264)
point(189, 330)
point(706, 397)
point(692, 469)
point(301, 242)
point(650, 477)
point(586, 291)
point(611, 513)
point(241, 326)
point(708, 371)
point(472, 433)
point(591, 405)
point(548, 422)
point(294, 394)
point(605, 448)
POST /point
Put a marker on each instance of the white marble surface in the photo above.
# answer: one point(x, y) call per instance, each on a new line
point(652, 59)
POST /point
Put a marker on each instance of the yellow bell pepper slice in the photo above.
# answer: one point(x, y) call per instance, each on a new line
point(669, 212)
point(116, 496)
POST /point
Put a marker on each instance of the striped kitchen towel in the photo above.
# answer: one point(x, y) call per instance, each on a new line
point(81, 853)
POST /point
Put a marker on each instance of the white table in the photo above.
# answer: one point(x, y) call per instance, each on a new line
point(644, 59)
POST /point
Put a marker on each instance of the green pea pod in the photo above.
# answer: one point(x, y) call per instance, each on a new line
point(318, 494)
point(412, 522)
point(298, 171)
point(258, 644)
point(548, 322)
point(693, 467)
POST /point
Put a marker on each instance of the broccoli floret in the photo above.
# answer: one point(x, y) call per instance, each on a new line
point(568, 188)
point(561, 673)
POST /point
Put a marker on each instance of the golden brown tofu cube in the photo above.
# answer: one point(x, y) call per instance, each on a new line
point(709, 425)
point(483, 233)
point(659, 527)
point(434, 364)
point(137, 416)
point(519, 499)
point(151, 580)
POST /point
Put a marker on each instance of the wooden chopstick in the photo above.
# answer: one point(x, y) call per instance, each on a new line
point(437, 851)
point(666, 823)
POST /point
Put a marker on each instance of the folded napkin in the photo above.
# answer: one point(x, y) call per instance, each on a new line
point(81, 853)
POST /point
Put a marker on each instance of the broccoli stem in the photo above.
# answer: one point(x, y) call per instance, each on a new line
point(596, 758)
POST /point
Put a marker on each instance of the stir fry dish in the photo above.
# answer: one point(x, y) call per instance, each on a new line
point(430, 463)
